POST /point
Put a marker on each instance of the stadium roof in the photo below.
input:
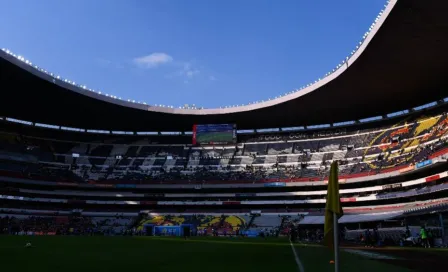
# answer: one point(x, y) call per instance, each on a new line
point(400, 65)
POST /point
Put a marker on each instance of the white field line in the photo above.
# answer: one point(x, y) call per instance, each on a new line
point(296, 257)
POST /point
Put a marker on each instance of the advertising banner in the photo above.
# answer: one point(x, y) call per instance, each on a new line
point(423, 191)
point(250, 233)
point(386, 196)
point(391, 186)
point(125, 186)
point(275, 184)
point(246, 195)
point(154, 195)
point(167, 230)
point(423, 164)
point(432, 178)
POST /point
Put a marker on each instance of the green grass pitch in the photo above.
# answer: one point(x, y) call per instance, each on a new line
point(215, 137)
point(82, 254)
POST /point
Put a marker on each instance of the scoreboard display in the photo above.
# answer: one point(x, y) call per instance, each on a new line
point(214, 134)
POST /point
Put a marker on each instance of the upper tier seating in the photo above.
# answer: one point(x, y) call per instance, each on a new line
point(285, 156)
point(280, 148)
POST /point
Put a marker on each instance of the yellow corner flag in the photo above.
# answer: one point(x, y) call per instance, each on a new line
point(333, 206)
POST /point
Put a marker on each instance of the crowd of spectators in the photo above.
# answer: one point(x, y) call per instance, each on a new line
point(367, 151)
point(243, 173)
point(61, 225)
point(251, 173)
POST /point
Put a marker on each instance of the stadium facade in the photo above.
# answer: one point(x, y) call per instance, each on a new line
point(85, 153)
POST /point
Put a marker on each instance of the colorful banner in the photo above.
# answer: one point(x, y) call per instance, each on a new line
point(275, 184)
point(167, 230)
point(250, 233)
point(125, 186)
point(423, 164)
point(432, 178)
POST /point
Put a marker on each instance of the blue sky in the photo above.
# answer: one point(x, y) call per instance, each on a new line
point(210, 53)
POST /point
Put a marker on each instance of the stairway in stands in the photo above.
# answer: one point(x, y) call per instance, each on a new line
point(251, 221)
point(283, 224)
point(137, 221)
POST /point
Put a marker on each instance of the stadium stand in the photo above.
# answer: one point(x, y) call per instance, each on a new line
point(268, 181)
point(372, 152)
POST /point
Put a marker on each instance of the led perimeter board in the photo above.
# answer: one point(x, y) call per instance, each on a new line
point(218, 134)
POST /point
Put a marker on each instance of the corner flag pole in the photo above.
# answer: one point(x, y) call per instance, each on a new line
point(333, 210)
point(336, 242)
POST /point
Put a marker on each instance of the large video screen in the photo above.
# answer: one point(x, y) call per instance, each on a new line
point(214, 134)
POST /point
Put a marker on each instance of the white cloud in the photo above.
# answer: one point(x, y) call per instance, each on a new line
point(189, 71)
point(186, 71)
point(153, 60)
point(212, 78)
